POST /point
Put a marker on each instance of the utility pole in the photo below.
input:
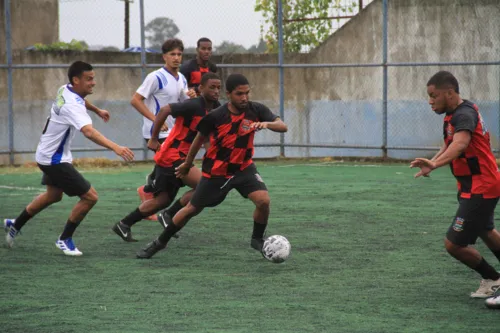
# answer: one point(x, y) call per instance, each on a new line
point(127, 22)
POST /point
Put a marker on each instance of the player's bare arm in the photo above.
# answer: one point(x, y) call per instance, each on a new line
point(460, 142)
point(103, 114)
point(159, 122)
point(183, 169)
point(138, 103)
point(95, 136)
point(276, 126)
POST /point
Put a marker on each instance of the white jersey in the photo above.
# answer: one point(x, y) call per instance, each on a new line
point(159, 89)
point(67, 115)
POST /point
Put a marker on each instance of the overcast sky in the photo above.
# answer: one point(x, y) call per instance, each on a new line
point(101, 22)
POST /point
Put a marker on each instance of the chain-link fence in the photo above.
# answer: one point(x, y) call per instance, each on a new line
point(360, 92)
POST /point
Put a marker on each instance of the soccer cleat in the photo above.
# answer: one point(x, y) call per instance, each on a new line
point(150, 249)
point(164, 219)
point(493, 302)
point(68, 247)
point(11, 232)
point(257, 243)
point(487, 288)
point(124, 232)
point(145, 196)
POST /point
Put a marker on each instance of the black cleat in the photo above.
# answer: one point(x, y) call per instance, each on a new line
point(257, 243)
point(124, 232)
point(165, 219)
point(150, 249)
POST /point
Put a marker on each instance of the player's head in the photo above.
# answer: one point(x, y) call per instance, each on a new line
point(443, 91)
point(172, 53)
point(210, 86)
point(238, 90)
point(82, 78)
point(204, 48)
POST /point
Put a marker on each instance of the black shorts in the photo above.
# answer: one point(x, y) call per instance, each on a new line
point(65, 177)
point(474, 217)
point(212, 191)
point(159, 140)
point(166, 181)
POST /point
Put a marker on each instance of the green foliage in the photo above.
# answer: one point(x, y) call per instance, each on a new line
point(74, 45)
point(229, 47)
point(159, 30)
point(299, 34)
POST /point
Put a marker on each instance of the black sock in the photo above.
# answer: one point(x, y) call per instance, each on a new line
point(258, 230)
point(69, 229)
point(22, 219)
point(133, 218)
point(176, 206)
point(167, 233)
point(497, 254)
point(487, 271)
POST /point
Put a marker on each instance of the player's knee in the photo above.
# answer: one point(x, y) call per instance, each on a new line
point(263, 203)
point(91, 196)
point(55, 197)
point(452, 248)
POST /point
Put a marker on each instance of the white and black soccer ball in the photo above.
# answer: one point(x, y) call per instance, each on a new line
point(276, 248)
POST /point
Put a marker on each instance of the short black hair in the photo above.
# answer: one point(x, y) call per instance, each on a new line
point(443, 80)
point(235, 80)
point(201, 40)
point(77, 68)
point(172, 44)
point(209, 76)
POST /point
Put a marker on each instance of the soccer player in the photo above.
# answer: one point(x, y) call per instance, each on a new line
point(172, 153)
point(161, 87)
point(194, 69)
point(227, 164)
point(467, 151)
point(53, 156)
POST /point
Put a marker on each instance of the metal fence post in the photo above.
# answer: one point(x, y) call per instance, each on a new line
point(281, 81)
point(10, 102)
point(385, 77)
point(143, 61)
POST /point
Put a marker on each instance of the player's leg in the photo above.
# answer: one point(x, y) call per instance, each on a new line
point(192, 179)
point(208, 193)
point(13, 226)
point(466, 227)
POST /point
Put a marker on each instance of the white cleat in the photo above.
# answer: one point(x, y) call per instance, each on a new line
point(68, 247)
point(11, 232)
point(487, 288)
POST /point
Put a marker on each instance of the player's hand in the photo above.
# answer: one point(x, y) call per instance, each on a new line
point(182, 170)
point(125, 153)
point(191, 93)
point(426, 166)
point(103, 114)
point(259, 125)
point(164, 127)
point(154, 144)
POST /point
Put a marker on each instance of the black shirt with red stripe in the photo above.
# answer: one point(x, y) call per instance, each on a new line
point(193, 72)
point(231, 139)
point(176, 146)
point(475, 169)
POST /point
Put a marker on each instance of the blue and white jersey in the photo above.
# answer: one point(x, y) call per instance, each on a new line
point(159, 89)
point(67, 115)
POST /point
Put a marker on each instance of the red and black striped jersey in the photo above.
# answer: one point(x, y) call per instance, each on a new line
point(193, 72)
point(475, 169)
point(231, 138)
point(187, 116)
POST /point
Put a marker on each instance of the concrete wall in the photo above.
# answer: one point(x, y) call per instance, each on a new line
point(322, 106)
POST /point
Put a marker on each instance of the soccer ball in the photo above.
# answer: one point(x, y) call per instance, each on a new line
point(276, 248)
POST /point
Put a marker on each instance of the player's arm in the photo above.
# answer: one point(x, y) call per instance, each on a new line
point(183, 169)
point(268, 120)
point(138, 103)
point(158, 124)
point(439, 153)
point(103, 114)
point(94, 135)
point(276, 126)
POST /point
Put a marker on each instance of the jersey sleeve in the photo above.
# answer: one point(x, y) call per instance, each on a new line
point(75, 115)
point(186, 109)
point(213, 68)
point(149, 86)
point(206, 125)
point(465, 119)
point(264, 113)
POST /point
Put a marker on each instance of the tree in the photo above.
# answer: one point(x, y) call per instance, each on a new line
point(261, 47)
point(306, 23)
point(229, 47)
point(159, 30)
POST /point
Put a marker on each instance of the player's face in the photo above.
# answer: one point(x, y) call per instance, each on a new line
point(239, 96)
point(173, 58)
point(84, 84)
point(205, 51)
point(438, 99)
point(211, 90)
